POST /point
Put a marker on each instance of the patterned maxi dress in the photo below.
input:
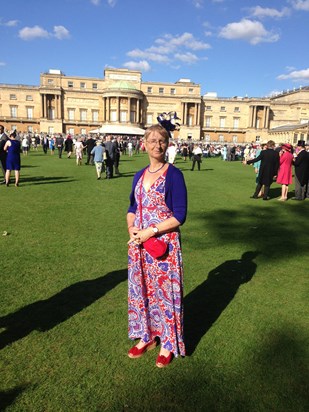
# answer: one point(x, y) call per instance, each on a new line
point(156, 285)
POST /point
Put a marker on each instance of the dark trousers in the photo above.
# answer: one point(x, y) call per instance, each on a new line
point(198, 164)
point(89, 159)
point(300, 190)
point(258, 189)
point(45, 148)
point(60, 148)
point(109, 168)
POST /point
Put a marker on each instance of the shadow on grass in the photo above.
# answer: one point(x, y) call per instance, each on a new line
point(42, 180)
point(8, 397)
point(277, 230)
point(46, 314)
point(204, 305)
point(271, 377)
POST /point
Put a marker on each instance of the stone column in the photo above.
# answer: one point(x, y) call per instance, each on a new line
point(104, 108)
point(185, 115)
point(129, 110)
point(254, 117)
point(45, 106)
point(108, 113)
point(138, 111)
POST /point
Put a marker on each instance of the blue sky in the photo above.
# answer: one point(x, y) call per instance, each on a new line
point(232, 47)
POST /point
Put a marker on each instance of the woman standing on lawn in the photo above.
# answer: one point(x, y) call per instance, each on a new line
point(285, 170)
point(12, 146)
point(156, 285)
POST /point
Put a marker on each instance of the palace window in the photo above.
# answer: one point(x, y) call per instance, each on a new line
point(95, 86)
point(83, 85)
point(235, 138)
point(236, 122)
point(208, 121)
point(13, 97)
point(71, 114)
point(236, 109)
point(132, 116)
point(123, 116)
point(13, 110)
point(29, 98)
point(51, 113)
point(221, 138)
point(191, 91)
point(161, 90)
point(29, 112)
point(95, 115)
point(222, 109)
point(113, 114)
point(83, 115)
point(83, 131)
point(70, 84)
point(149, 118)
point(50, 81)
point(190, 120)
point(50, 129)
point(71, 131)
point(207, 137)
point(173, 91)
point(208, 107)
point(222, 121)
point(149, 89)
point(30, 129)
point(257, 138)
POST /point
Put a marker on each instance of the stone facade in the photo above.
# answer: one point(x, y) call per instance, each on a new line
point(77, 105)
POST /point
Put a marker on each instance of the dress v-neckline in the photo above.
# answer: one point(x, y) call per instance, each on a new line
point(148, 189)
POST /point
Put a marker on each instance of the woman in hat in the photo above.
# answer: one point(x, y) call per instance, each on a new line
point(158, 206)
point(285, 170)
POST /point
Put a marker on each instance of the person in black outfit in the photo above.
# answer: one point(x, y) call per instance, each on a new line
point(90, 144)
point(301, 166)
point(59, 145)
point(110, 150)
point(68, 145)
point(3, 153)
point(268, 169)
point(45, 143)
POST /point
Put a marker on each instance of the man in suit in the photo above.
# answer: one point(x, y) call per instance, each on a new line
point(90, 144)
point(301, 166)
point(3, 153)
point(45, 143)
point(268, 169)
point(110, 149)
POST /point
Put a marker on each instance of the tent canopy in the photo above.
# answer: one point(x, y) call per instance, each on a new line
point(119, 129)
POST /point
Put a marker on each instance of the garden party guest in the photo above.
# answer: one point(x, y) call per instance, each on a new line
point(301, 167)
point(97, 153)
point(79, 147)
point(3, 153)
point(68, 146)
point(268, 169)
point(197, 157)
point(158, 206)
point(12, 146)
point(285, 170)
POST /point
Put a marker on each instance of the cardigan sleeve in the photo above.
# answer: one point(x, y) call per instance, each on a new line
point(133, 204)
point(176, 194)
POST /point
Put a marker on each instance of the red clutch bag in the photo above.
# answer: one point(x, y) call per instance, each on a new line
point(155, 247)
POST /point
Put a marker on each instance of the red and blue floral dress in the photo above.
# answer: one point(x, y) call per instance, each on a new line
point(155, 292)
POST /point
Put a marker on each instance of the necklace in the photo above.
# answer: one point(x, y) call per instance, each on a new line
point(155, 171)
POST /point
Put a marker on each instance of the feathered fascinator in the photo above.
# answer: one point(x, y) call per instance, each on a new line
point(169, 121)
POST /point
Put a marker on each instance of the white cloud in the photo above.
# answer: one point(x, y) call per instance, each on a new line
point(300, 4)
point(248, 30)
point(198, 3)
point(111, 3)
point(142, 65)
point(296, 76)
point(262, 12)
point(140, 54)
point(10, 23)
point(188, 57)
point(60, 32)
point(186, 40)
point(95, 2)
point(35, 32)
point(2, 64)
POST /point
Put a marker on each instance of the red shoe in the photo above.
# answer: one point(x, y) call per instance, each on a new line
point(163, 361)
point(137, 353)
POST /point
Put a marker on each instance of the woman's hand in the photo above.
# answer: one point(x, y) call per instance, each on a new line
point(139, 236)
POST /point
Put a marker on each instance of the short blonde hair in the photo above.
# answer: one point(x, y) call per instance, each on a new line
point(157, 128)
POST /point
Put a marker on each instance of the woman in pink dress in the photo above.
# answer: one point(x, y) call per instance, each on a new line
point(285, 170)
point(158, 206)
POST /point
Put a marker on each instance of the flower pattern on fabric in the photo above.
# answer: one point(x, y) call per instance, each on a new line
point(155, 292)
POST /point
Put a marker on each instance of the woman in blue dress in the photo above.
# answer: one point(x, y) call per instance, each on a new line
point(12, 146)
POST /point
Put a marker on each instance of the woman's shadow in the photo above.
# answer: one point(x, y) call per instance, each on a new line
point(46, 314)
point(204, 305)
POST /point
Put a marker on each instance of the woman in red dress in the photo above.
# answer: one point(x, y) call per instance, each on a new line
point(285, 170)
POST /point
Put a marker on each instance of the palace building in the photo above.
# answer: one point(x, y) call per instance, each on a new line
point(121, 103)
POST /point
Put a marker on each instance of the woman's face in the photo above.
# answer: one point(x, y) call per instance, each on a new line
point(156, 146)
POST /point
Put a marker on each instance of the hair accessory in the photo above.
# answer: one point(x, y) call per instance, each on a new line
point(169, 121)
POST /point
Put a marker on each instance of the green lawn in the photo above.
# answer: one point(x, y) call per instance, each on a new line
point(63, 295)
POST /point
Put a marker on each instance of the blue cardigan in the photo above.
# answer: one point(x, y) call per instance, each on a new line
point(175, 193)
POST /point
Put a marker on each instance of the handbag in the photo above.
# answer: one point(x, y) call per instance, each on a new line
point(157, 248)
